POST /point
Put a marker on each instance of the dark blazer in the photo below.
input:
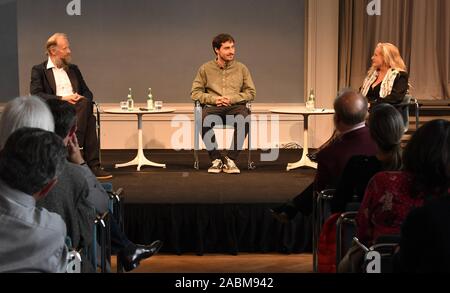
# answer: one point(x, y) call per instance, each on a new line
point(425, 239)
point(43, 82)
point(332, 159)
point(354, 179)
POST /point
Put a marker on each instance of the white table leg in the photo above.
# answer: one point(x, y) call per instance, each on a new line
point(304, 161)
point(140, 159)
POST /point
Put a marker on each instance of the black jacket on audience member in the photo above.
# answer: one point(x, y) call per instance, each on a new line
point(352, 185)
point(425, 239)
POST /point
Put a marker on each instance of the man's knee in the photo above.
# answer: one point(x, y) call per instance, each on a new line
point(84, 105)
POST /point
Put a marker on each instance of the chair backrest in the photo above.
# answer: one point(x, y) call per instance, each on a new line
point(404, 108)
point(321, 212)
point(345, 232)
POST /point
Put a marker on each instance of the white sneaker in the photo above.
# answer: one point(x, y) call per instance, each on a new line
point(216, 167)
point(230, 167)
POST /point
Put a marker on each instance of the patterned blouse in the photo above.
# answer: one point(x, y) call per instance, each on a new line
point(385, 206)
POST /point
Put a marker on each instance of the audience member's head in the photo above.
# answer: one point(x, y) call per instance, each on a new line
point(386, 129)
point(350, 110)
point(427, 158)
point(65, 117)
point(31, 160)
point(24, 112)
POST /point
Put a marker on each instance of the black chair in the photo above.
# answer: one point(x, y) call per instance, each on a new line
point(321, 211)
point(345, 231)
point(97, 126)
point(404, 109)
point(385, 245)
point(116, 200)
point(198, 133)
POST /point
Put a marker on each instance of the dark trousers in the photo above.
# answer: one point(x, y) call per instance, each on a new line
point(86, 132)
point(119, 241)
point(222, 112)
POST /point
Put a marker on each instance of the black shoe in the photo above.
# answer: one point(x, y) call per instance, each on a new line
point(280, 216)
point(312, 157)
point(284, 213)
point(133, 258)
point(100, 173)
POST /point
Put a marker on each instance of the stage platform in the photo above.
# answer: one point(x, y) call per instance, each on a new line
point(196, 212)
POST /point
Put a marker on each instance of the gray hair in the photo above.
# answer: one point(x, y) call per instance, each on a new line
point(31, 159)
point(25, 112)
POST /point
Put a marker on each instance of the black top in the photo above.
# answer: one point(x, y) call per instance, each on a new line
point(425, 239)
point(398, 93)
point(352, 185)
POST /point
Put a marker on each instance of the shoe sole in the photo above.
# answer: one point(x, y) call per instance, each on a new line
point(214, 171)
point(232, 171)
point(104, 177)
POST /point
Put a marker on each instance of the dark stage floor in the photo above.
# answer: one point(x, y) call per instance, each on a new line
point(181, 183)
point(193, 211)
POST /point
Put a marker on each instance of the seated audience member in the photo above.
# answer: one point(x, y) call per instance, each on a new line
point(354, 139)
point(390, 196)
point(425, 239)
point(32, 239)
point(129, 254)
point(425, 234)
point(70, 196)
point(386, 129)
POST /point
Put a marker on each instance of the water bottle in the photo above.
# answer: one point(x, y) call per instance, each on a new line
point(310, 102)
point(130, 102)
point(150, 105)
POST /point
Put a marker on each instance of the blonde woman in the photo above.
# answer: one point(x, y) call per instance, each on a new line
point(387, 79)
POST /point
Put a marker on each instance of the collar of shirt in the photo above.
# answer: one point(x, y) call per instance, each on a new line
point(226, 66)
point(17, 195)
point(358, 126)
point(50, 64)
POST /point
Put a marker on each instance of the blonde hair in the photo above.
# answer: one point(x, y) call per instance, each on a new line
point(391, 57)
point(52, 42)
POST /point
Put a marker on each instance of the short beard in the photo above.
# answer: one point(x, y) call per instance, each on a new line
point(65, 62)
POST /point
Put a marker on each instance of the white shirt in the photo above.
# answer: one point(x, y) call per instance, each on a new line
point(356, 127)
point(63, 85)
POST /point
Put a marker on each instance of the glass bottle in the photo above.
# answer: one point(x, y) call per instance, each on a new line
point(150, 104)
point(310, 102)
point(130, 101)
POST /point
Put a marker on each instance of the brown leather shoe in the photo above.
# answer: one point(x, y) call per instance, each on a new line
point(100, 173)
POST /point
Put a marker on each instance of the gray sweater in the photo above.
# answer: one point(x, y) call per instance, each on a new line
point(68, 198)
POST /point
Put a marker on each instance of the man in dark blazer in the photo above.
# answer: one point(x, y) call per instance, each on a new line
point(57, 78)
point(351, 110)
